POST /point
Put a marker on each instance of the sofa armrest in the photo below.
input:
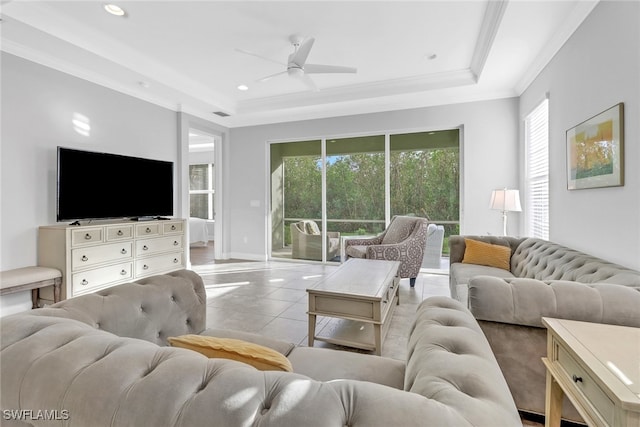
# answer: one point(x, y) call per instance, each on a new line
point(524, 302)
point(364, 241)
point(450, 360)
point(152, 309)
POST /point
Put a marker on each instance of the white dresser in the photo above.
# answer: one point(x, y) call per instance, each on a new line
point(106, 253)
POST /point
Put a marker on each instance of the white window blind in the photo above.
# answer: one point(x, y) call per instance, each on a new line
point(537, 171)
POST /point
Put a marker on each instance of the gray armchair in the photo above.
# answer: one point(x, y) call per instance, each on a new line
point(306, 241)
point(404, 240)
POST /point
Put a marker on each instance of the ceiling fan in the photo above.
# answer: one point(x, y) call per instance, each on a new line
point(297, 66)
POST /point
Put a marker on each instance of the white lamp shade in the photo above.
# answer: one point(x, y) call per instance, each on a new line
point(505, 200)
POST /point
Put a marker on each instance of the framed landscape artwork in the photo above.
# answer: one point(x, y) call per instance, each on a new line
point(595, 151)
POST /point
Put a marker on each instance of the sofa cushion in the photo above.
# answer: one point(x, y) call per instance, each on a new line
point(482, 253)
point(356, 251)
point(260, 357)
point(310, 227)
point(325, 364)
point(522, 301)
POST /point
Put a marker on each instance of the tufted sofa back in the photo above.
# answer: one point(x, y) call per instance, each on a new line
point(544, 260)
point(151, 309)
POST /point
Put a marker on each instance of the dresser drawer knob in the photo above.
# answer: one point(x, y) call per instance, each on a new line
point(123, 272)
point(148, 230)
point(87, 236)
point(84, 258)
point(175, 243)
point(576, 379)
point(120, 233)
point(175, 260)
point(145, 267)
point(145, 248)
point(123, 251)
point(84, 282)
point(173, 228)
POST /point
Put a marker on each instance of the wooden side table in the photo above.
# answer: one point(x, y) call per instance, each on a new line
point(597, 366)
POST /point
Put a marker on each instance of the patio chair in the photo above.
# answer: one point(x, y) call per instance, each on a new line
point(306, 241)
point(404, 240)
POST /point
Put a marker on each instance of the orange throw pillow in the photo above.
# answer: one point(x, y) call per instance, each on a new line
point(258, 356)
point(482, 253)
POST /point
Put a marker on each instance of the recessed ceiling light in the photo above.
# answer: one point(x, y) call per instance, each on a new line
point(243, 87)
point(114, 9)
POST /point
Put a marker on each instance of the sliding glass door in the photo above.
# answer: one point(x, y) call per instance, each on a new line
point(322, 189)
point(355, 169)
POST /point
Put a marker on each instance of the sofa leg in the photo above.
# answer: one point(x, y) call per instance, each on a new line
point(412, 282)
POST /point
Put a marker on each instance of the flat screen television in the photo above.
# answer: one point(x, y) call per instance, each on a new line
point(94, 185)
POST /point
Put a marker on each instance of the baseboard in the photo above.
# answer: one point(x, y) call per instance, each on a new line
point(247, 256)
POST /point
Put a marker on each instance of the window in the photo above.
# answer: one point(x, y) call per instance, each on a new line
point(201, 191)
point(537, 171)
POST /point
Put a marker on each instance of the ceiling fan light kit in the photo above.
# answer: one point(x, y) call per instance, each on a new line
point(297, 66)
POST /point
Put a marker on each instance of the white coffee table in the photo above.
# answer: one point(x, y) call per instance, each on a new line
point(359, 290)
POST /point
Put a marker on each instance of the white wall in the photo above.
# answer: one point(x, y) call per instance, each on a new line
point(490, 160)
point(598, 67)
point(38, 105)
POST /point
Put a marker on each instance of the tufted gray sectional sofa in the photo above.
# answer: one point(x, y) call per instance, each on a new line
point(546, 280)
point(102, 360)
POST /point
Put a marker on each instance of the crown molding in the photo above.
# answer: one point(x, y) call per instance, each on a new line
point(360, 92)
point(579, 13)
point(39, 16)
point(488, 30)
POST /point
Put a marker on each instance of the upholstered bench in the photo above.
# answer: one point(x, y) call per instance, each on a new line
point(31, 278)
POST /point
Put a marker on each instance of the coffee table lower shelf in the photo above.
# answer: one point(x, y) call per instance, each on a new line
point(347, 331)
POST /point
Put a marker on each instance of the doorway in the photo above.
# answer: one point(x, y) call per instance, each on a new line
point(202, 196)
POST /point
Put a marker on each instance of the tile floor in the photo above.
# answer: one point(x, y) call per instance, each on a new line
point(270, 298)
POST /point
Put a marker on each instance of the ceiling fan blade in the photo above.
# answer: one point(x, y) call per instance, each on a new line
point(308, 81)
point(269, 77)
point(299, 57)
point(319, 68)
point(246, 52)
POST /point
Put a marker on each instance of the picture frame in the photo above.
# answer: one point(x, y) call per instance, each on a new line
point(595, 151)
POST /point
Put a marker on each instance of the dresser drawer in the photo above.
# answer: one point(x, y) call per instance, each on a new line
point(586, 385)
point(161, 244)
point(86, 236)
point(157, 263)
point(92, 255)
point(119, 232)
point(147, 230)
point(172, 227)
point(87, 281)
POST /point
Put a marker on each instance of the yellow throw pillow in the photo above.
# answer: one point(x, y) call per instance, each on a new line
point(258, 356)
point(482, 253)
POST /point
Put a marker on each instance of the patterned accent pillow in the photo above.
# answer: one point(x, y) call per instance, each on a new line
point(260, 357)
point(482, 253)
point(310, 227)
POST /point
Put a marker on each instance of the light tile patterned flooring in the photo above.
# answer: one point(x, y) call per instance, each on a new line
point(270, 298)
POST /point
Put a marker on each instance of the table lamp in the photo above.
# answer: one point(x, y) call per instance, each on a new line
point(506, 201)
